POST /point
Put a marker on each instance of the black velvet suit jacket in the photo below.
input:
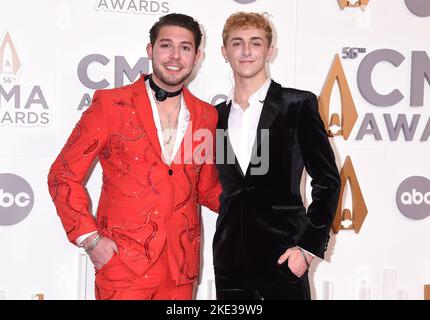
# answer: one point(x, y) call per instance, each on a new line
point(261, 215)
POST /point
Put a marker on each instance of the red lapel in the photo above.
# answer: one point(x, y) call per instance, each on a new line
point(144, 112)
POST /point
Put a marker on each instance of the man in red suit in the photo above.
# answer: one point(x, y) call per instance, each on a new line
point(155, 143)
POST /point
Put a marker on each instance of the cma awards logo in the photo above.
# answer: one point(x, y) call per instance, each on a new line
point(133, 6)
point(19, 105)
point(420, 8)
point(123, 71)
point(16, 199)
point(353, 4)
point(349, 218)
point(10, 64)
point(413, 197)
point(345, 218)
point(396, 125)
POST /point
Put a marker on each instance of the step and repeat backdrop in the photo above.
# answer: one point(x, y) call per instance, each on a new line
point(368, 61)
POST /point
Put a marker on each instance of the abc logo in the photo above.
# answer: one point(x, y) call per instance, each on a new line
point(16, 199)
point(7, 200)
point(413, 197)
point(420, 8)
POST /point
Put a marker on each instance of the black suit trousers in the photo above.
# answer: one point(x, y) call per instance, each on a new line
point(276, 284)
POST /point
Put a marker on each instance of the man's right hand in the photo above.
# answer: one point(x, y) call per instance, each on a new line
point(102, 252)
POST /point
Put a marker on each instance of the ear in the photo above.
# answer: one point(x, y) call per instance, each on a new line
point(270, 52)
point(149, 51)
point(197, 57)
point(224, 52)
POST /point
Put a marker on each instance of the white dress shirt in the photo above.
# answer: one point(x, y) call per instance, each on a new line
point(242, 124)
point(183, 120)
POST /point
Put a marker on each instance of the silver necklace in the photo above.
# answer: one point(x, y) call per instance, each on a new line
point(169, 130)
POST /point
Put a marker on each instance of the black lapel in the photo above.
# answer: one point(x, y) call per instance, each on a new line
point(268, 114)
point(223, 112)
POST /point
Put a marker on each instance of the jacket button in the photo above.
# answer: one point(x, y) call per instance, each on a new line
point(170, 172)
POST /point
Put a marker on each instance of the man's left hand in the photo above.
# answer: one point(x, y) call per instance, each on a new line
point(296, 261)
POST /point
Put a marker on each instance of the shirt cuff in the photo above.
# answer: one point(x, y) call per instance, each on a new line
point(307, 252)
point(81, 238)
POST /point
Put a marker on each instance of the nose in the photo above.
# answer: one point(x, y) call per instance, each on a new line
point(174, 54)
point(246, 49)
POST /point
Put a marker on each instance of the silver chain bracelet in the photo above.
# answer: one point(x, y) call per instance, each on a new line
point(304, 257)
point(93, 244)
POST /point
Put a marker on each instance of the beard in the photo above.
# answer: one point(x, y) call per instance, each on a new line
point(169, 80)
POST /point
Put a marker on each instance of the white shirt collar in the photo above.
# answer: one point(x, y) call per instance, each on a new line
point(183, 120)
point(258, 95)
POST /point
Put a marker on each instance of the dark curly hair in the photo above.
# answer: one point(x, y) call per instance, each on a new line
point(178, 20)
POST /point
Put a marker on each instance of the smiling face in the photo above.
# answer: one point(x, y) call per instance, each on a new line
point(173, 57)
point(247, 51)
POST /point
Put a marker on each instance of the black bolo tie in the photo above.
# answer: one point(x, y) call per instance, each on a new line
point(161, 94)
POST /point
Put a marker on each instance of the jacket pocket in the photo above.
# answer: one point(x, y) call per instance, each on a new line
point(289, 209)
point(287, 274)
point(108, 263)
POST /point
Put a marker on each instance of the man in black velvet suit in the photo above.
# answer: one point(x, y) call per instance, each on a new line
point(265, 239)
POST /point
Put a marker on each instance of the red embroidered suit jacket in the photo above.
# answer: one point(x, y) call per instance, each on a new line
point(144, 203)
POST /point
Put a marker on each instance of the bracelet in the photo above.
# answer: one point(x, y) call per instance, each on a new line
point(304, 257)
point(93, 244)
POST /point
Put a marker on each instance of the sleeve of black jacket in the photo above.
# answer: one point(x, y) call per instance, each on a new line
point(320, 164)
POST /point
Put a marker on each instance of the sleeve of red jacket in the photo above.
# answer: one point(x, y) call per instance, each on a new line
point(209, 187)
point(67, 174)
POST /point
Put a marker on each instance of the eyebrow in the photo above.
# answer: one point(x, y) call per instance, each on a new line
point(182, 42)
point(241, 39)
